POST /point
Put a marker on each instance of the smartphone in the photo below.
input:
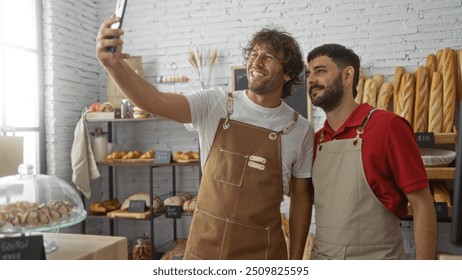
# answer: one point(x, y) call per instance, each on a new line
point(119, 12)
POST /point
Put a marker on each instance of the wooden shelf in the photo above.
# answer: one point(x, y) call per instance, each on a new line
point(441, 172)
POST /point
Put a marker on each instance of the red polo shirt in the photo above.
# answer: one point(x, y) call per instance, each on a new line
point(391, 158)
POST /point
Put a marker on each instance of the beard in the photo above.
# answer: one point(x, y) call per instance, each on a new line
point(332, 96)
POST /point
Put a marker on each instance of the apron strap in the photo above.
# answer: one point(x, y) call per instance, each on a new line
point(291, 125)
point(273, 136)
point(360, 129)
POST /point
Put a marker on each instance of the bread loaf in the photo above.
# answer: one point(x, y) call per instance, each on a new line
point(421, 101)
point(190, 205)
point(399, 72)
point(435, 112)
point(407, 97)
point(370, 92)
point(360, 90)
point(459, 63)
point(384, 96)
point(439, 61)
point(177, 200)
point(379, 79)
point(449, 90)
point(440, 192)
point(432, 66)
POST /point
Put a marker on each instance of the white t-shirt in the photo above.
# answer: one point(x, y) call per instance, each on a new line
point(209, 106)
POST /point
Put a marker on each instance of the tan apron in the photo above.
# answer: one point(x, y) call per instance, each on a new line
point(351, 222)
point(237, 214)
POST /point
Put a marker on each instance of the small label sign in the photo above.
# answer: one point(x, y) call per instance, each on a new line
point(137, 206)
point(163, 157)
point(425, 139)
point(22, 248)
point(441, 210)
point(173, 211)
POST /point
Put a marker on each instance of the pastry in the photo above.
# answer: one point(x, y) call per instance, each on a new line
point(107, 107)
point(421, 101)
point(97, 208)
point(149, 154)
point(435, 113)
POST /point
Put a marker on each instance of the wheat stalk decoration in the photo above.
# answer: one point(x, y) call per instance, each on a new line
point(201, 63)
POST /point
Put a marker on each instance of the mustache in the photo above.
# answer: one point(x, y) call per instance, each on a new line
point(315, 86)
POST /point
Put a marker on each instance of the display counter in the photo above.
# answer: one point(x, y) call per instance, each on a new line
point(87, 247)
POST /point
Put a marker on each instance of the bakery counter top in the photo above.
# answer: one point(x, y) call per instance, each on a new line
point(87, 247)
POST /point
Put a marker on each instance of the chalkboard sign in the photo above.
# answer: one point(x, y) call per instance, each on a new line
point(426, 139)
point(173, 211)
point(163, 157)
point(298, 100)
point(441, 210)
point(22, 248)
point(137, 206)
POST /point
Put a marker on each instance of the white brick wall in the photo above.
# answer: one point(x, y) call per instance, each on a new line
point(385, 34)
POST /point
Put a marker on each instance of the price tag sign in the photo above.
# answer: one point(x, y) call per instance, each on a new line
point(441, 210)
point(173, 211)
point(22, 248)
point(137, 206)
point(163, 157)
point(425, 139)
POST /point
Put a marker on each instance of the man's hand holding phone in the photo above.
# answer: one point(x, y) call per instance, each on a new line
point(108, 37)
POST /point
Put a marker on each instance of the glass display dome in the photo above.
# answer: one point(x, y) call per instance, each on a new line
point(31, 203)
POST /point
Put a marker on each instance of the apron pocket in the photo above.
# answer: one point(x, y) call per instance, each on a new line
point(245, 241)
point(213, 238)
point(230, 167)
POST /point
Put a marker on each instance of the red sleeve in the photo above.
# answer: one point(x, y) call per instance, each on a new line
point(404, 157)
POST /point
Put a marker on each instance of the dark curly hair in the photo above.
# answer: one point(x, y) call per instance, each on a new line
point(278, 40)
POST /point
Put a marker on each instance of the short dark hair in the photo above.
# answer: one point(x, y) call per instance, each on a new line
point(278, 40)
point(342, 57)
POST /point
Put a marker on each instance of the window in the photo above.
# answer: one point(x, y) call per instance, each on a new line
point(21, 77)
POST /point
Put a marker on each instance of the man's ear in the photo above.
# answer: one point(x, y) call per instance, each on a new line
point(348, 74)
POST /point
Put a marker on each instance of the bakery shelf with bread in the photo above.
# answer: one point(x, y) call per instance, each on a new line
point(133, 174)
point(426, 97)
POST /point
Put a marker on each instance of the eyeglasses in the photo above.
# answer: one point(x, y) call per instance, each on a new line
point(266, 58)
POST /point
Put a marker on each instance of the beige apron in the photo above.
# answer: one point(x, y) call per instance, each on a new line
point(351, 223)
point(237, 214)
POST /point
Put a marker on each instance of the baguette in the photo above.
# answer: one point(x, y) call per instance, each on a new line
point(370, 92)
point(449, 90)
point(432, 66)
point(399, 72)
point(435, 113)
point(384, 96)
point(360, 87)
point(407, 93)
point(421, 101)
point(440, 192)
point(379, 79)
point(439, 61)
point(459, 71)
